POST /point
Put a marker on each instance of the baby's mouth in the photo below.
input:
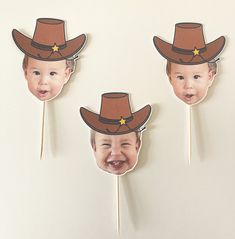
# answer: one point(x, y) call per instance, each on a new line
point(116, 164)
point(42, 93)
point(189, 96)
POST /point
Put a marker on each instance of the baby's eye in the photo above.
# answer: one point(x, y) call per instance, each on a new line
point(37, 73)
point(126, 144)
point(196, 77)
point(52, 73)
point(179, 77)
point(105, 145)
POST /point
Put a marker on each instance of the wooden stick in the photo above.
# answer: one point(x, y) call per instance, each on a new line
point(118, 204)
point(42, 129)
point(189, 134)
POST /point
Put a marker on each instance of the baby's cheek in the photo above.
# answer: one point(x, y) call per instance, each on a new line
point(56, 86)
point(202, 90)
point(102, 150)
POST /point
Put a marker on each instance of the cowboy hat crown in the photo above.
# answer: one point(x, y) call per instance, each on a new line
point(189, 47)
point(115, 116)
point(48, 42)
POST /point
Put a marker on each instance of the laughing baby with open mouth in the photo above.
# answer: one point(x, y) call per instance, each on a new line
point(116, 154)
point(116, 132)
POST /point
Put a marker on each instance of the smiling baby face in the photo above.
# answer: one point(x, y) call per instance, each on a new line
point(116, 154)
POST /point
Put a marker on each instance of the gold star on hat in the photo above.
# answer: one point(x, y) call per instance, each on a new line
point(122, 121)
point(196, 52)
point(55, 48)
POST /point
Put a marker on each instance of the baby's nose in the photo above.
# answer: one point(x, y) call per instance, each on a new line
point(116, 150)
point(43, 80)
point(188, 84)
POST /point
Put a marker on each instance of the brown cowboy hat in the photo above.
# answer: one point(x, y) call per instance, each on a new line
point(189, 47)
point(48, 43)
point(115, 116)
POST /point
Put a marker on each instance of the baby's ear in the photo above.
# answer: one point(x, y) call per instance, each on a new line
point(68, 73)
point(93, 146)
point(212, 75)
point(169, 78)
point(138, 144)
point(25, 74)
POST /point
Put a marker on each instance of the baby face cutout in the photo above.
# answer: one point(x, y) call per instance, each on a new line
point(49, 58)
point(191, 62)
point(116, 132)
point(46, 78)
point(191, 82)
point(116, 154)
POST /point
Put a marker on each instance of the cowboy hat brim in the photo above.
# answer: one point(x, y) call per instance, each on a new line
point(212, 50)
point(93, 121)
point(72, 47)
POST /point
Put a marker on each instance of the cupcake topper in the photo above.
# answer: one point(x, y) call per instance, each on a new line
point(49, 59)
point(116, 135)
point(191, 63)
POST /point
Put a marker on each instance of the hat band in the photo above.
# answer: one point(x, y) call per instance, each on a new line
point(188, 52)
point(46, 47)
point(120, 121)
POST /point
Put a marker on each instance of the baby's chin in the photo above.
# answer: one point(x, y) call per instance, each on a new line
point(117, 168)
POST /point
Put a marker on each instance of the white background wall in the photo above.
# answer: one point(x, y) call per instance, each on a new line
point(65, 196)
